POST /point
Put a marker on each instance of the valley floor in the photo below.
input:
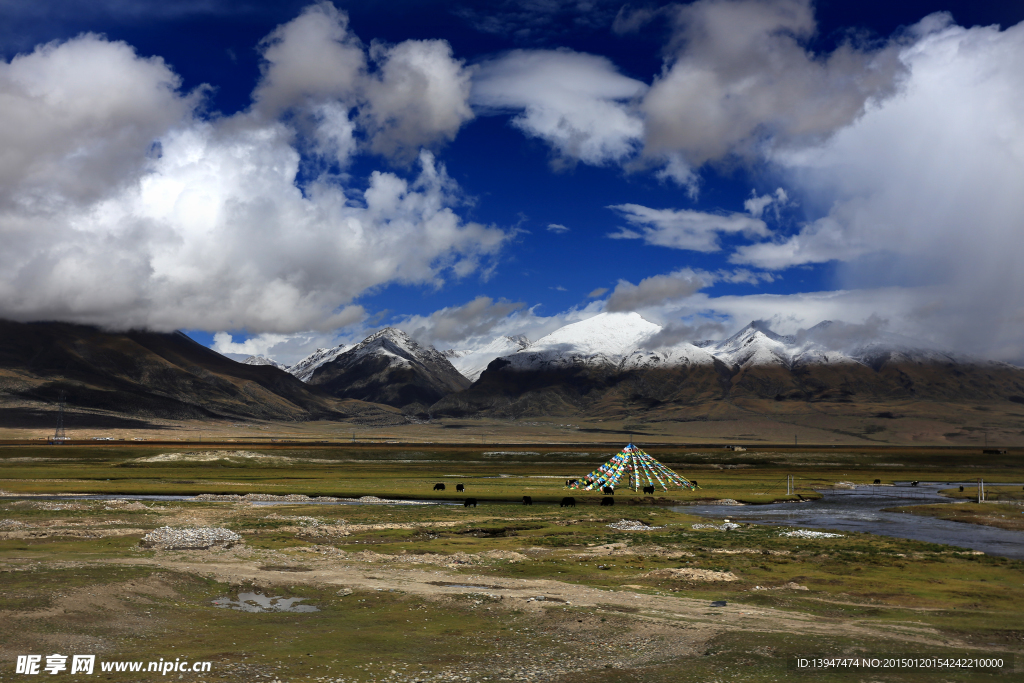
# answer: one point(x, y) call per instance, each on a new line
point(495, 592)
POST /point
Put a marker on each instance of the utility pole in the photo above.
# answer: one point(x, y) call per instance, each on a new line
point(981, 490)
point(59, 436)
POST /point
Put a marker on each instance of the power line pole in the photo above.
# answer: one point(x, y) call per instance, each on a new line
point(59, 436)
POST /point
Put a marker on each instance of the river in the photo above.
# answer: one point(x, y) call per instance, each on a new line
point(860, 509)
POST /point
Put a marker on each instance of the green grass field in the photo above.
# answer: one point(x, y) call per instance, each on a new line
point(438, 593)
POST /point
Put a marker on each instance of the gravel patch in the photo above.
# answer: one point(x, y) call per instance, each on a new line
point(262, 498)
point(296, 498)
point(632, 525)
point(12, 524)
point(300, 520)
point(806, 533)
point(692, 574)
point(189, 538)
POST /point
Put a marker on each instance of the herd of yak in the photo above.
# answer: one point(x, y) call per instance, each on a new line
point(567, 502)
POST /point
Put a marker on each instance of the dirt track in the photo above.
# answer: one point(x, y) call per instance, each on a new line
point(239, 566)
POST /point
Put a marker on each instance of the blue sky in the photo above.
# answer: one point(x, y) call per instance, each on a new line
point(273, 177)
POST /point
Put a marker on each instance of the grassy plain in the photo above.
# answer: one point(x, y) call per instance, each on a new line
point(445, 592)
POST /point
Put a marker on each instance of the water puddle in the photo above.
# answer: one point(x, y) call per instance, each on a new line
point(284, 568)
point(256, 602)
point(449, 584)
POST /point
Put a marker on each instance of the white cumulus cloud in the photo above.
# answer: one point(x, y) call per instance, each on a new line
point(926, 186)
point(578, 103)
point(418, 97)
point(684, 228)
point(121, 205)
point(738, 78)
point(657, 290)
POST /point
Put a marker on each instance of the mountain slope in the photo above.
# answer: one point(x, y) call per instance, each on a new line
point(147, 374)
point(601, 364)
point(471, 363)
point(389, 367)
point(263, 360)
point(305, 368)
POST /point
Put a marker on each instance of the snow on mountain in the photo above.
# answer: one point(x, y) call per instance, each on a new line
point(683, 353)
point(605, 339)
point(755, 344)
point(395, 345)
point(617, 340)
point(262, 360)
point(472, 362)
point(305, 368)
point(390, 367)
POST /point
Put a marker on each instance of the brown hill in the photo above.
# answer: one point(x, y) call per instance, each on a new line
point(389, 367)
point(603, 390)
point(147, 374)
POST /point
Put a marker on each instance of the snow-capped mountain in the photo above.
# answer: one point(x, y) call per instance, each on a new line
point(614, 340)
point(390, 367)
point(605, 339)
point(621, 341)
point(263, 360)
point(474, 361)
point(613, 364)
point(305, 368)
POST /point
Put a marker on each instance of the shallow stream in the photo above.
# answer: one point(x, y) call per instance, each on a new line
point(860, 509)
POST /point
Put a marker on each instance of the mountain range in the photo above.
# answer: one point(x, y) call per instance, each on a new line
point(615, 362)
point(615, 359)
point(610, 364)
point(147, 375)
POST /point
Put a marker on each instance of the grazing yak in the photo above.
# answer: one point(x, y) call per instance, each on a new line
point(571, 482)
point(527, 500)
point(649, 489)
point(567, 502)
point(607, 501)
point(608, 491)
point(439, 487)
point(470, 502)
point(878, 481)
point(914, 483)
point(693, 481)
point(461, 488)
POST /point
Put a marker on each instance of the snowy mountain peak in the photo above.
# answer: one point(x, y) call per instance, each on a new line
point(305, 368)
point(620, 340)
point(472, 362)
point(755, 344)
point(605, 339)
point(396, 345)
point(263, 360)
point(390, 367)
